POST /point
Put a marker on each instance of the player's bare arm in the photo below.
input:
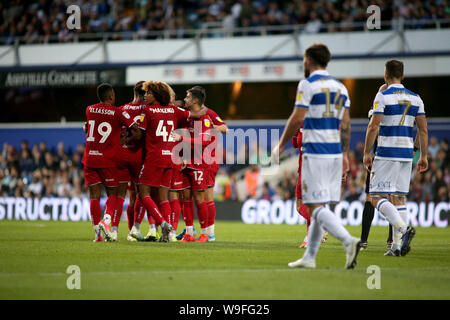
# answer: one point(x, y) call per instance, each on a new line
point(345, 140)
point(371, 135)
point(222, 128)
point(292, 126)
point(421, 122)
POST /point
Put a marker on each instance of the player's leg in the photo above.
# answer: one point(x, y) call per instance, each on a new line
point(391, 177)
point(149, 204)
point(93, 184)
point(202, 212)
point(188, 215)
point(131, 204)
point(209, 199)
point(367, 218)
point(368, 214)
point(95, 192)
point(304, 212)
point(120, 193)
point(152, 176)
point(320, 189)
point(176, 210)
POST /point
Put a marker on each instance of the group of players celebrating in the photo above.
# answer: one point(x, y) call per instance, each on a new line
point(133, 147)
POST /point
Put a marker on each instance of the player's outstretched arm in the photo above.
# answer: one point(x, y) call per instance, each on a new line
point(421, 122)
point(292, 126)
point(371, 135)
point(222, 128)
point(345, 141)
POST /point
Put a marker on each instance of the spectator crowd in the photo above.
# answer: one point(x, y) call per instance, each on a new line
point(36, 171)
point(45, 21)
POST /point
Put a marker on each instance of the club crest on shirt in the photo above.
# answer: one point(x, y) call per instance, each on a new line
point(207, 123)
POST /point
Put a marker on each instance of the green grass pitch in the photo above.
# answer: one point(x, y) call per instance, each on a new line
point(246, 262)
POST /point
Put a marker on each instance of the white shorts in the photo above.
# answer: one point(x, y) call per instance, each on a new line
point(321, 179)
point(389, 176)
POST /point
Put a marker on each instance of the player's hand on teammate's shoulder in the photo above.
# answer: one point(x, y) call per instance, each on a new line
point(175, 136)
point(383, 87)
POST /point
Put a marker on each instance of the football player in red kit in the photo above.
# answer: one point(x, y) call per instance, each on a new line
point(130, 159)
point(196, 169)
point(160, 119)
point(104, 123)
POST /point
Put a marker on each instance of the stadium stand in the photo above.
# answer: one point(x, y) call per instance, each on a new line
point(44, 21)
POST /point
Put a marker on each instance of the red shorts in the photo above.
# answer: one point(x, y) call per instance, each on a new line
point(212, 172)
point(198, 178)
point(105, 176)
point(155, 176)
point(128, 171)
point(180, 181)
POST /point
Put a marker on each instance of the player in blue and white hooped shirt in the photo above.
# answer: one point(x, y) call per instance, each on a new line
point(395, 110)
point(323, 103)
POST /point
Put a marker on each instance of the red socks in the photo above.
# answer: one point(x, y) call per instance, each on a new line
point(152, 209)
point(176, 211)
point(166, 210)
point(96, 211)
point(188, 212)
point(202, 211)
point(303, 210)
point(211, 213)
point(130, 216)
point(110, 206)
point(139, 211)
point(117, 212)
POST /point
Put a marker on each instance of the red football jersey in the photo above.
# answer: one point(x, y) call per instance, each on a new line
point(201, 138)
point(297, 143)
point(159, 122)
point(217, 121)
point(103, 134)
point(132, 152)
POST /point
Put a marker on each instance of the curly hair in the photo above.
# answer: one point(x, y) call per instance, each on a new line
point(160, 91)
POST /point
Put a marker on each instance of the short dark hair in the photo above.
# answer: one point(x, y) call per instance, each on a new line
point(139, 88)
point(319, 54)
point(198, 93)
point(394, 69)
point(103, 91)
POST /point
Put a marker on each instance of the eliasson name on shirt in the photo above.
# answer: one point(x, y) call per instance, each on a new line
point(102, 111)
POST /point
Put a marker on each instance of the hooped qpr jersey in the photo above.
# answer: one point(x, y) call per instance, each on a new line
point(326, 100)
point(399, 107)
point(159, 122)
point(103, 134)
